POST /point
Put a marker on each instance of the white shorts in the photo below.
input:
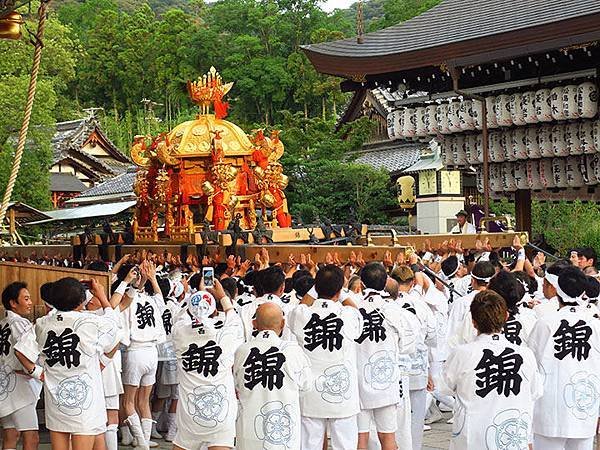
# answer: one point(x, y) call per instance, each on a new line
point(189, 441)
point(24, 419)
point(385, 418)
point(167, 391)
point(112, 402)
point(558, 443)
point(139, 366)
point(343, 433)
point(167, 372)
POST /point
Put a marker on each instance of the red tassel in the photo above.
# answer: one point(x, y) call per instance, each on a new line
point(221, 109)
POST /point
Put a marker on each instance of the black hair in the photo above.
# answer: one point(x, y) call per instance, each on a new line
point(220, 269)
point(303, 285)
point(300, 274)
point(11, 292)
point(450, 266)
point(592, 287)
point(45, 292)
point(483, 269)
point(529, 283)
point(374, 276)
point(270, 280)
point(572, 282)
point(329, 281)
point(124, 271)
point(98, 266)
point(588, 253)
point(558, 267)
point(509, 288)
point(165, 287)
point(289, 285)
point(194, 281)
point(67, 294)
point(230, 287)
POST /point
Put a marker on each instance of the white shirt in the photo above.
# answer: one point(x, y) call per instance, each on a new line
point(383, 339)
point(248, 313)
point(326, 330)
point(16, 389)
point(69, 345)
point(566, 344)
point(144, 317)
point(269, 375)
point(496, 384)
point(467, 228)
point(205, 362)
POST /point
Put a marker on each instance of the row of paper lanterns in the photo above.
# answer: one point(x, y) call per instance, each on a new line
point(570, 172)
point(543, 141)
point(544, 105)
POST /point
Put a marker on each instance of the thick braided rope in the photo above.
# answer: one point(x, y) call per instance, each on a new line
point(37, 57)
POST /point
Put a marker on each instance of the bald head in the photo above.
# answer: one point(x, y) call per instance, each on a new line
point(269, 316)
point(391, 287)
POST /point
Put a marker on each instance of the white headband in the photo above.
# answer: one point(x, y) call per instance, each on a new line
point(568, 299)
point(484, 279)
point(552, 279)
point(453, 273)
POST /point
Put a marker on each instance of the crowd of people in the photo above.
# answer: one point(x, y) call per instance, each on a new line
point(303, 354)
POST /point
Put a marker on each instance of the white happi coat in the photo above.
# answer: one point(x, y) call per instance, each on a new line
point(144, 318)
point(495, 384)
point(269, 375)
point(383, 339)
point(547, 306)
point(460, 309)
point(438, 303)
point(326, 330)
point(567, 347)
point(69, 345)
point(416, 365)
point(17, 390)
point(248, 313)
point(207, 405)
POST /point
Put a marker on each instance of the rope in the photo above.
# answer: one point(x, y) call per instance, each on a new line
point(37, 57)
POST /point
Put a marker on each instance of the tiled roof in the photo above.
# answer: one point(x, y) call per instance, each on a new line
point(65, 182)
point(455, 21)
point(391, 156)
point(121, 184)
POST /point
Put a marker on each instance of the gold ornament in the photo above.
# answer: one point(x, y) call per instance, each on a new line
point(10, 26)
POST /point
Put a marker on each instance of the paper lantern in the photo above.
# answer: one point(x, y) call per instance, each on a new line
point(496, 184)
point(587, 172)
point(569, 99)
point(443, 119)
point(495, 148)
point(586, 137)
point(587, 100)
point(559, 147)
point(572, 141)
point(531, 143)
point(519, 138)
point(517, 113)
point(573, 172)
point(556, 101)
point(503, 117)
point(409, 126)
point(454, 116)
point(479, 180)
point(477, 108)
point(420, 127)
point(596, 134)
point(529, 107)
point(391, 125)
point(520, 172)
point(545, 141)
point(533, 175)
point(543, 105)
point(459, 157)
point(399, 127)
point(546, 175)
point(471, 148)
point(593, 168)
point(477, 153)
point(446, 150)
point(559, 171)
point(490, 103)
point(465, 113)
point(432, 120)
point(508, 177)
point(506, 143)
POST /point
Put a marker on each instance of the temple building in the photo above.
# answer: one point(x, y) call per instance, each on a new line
point(83, 156)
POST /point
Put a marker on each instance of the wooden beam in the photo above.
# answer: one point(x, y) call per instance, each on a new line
point(468, 241)
point(523, 209)
point(281, 253)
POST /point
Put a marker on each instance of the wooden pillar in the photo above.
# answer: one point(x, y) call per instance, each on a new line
point(523, 210)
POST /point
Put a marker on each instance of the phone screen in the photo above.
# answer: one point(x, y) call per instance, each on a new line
point(208, 275)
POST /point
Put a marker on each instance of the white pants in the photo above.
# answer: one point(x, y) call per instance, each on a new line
point(417, 416)
point(435, 370)
point(404, 431)
point(557, 443)
point(343, 433)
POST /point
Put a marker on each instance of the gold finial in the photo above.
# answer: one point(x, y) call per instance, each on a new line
point(360, 25)
point(209, 89)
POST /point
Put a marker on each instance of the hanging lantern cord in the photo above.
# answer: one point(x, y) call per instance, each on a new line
point(37, 56)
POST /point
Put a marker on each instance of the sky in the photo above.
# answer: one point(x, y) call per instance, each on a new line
point(330, 5)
